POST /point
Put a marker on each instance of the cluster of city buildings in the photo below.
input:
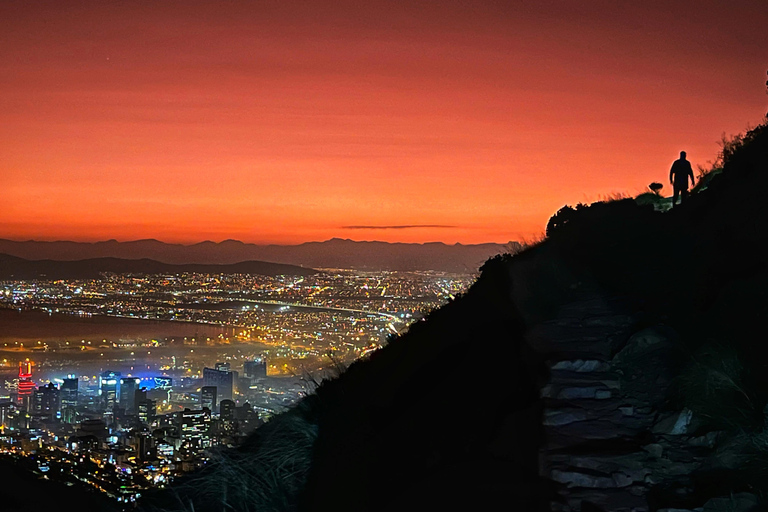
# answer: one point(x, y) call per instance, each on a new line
point(114, 439)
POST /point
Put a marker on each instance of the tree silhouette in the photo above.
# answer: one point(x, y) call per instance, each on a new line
point(563, 216)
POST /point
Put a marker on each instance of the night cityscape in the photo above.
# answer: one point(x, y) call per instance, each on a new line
point(124, 413)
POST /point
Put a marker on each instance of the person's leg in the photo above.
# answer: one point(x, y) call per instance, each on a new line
point(683, 195)
point(674, 195)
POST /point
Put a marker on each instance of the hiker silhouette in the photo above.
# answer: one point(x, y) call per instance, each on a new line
point(678, 176)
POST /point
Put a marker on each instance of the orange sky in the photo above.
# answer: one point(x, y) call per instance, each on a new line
point(284, 122)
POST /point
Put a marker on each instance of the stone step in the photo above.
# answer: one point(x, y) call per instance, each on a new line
point(569, 343)
point(579, 432)
point(628, 499)
point(622, 470)
point(578, 477)
point(616, 412)
point(592, 304)
point(564, 334)
point(568, 378)
point(581, 391)
point(588, 366)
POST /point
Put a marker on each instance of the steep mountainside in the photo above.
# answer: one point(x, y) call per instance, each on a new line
point(618, 366)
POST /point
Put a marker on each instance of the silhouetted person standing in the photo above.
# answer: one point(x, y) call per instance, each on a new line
point(678, 177)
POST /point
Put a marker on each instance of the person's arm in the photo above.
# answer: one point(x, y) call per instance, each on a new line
point(690, 173)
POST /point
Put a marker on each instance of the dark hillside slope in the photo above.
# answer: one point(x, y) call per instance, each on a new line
point(428, 411)
point(619, 366)
point(434, 420)
point(24, 490)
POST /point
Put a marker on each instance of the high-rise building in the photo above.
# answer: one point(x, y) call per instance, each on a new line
point(227, 410)
point(46, 401)
point(208, 398)
point(146, 410)
point(247, 418)
point(256, 369)
point(145, 446)
point(109, 390)
point(128, 387)
point(222, 380)
point(68, 398)
point(7, 411)
point(68, 391)
point(195, 427)
point(26, 386)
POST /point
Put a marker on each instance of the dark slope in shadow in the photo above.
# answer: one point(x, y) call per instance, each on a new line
point(24, 491)
point(449, 413)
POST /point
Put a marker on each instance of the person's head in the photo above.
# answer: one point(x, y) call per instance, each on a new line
point(682, 155)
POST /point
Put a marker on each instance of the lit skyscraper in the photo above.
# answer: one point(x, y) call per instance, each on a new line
point(255, 369)
point(208, 398)
point(195, 427)
point(7, 409)
point(146, 409)
point(46, 401)
point(222, 380)
point(128, 387)
point(26, 385)
point(227, 410)
point(109, 389)
point(68, 396)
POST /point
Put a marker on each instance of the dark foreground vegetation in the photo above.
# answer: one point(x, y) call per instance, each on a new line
point(625, 367)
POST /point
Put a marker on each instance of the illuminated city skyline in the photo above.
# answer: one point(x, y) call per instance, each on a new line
point(125, 381)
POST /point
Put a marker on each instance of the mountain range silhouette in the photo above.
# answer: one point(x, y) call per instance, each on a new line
point(334, 253)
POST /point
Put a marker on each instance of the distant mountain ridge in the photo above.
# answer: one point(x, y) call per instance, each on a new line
point(13, 267)
point(333, 253)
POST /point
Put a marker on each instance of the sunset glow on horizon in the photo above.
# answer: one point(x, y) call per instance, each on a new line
point(286, 122)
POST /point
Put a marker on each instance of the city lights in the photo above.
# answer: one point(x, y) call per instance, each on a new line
point(133, 411)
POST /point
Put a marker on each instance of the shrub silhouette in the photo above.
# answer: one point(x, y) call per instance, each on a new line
point(714, 387)
point(656, 187)
point(729, 146)
point(563, 216)
point(560, 219)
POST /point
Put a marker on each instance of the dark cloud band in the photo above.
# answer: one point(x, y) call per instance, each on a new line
point(407, 226)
